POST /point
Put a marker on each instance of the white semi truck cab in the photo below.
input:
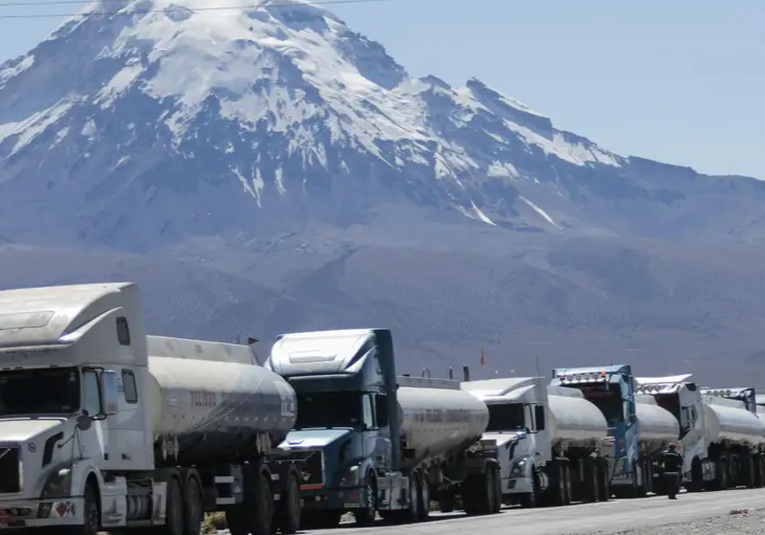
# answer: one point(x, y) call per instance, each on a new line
point(551, 443)
point(103, 427)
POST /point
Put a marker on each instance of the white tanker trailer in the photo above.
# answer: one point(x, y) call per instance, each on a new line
point(721, 439)
point(115, 429)
point(381, 443)
point(549, 441)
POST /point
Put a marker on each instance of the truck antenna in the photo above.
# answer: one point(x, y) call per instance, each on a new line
point(537, 364)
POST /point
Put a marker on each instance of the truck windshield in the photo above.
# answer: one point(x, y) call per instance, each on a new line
point(39, 391)
point(607, 398)
point(329, 409)
point(506, 417)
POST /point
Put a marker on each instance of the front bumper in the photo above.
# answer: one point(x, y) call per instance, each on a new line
point(341, 499)
point(15, 514)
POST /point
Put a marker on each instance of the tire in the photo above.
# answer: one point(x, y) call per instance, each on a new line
point(604, 484)
point(194, 509)
point(258, 502)
point(497, 490)
point(424, 498)
point(567, 487)
point(290, 505)
point(724, 476)
point(91, 513)
point(366, 517)
point(414, 498)
point(175, 517)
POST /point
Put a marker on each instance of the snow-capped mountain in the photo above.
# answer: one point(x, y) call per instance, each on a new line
point(176, 119)
point(283, 172)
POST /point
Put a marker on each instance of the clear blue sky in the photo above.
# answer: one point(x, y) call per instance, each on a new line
point(681, 81)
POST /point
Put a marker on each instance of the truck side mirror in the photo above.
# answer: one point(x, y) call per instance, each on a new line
point(539, 417)
point(108, 392)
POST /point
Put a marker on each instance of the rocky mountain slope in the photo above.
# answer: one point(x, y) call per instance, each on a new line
point(277, 171)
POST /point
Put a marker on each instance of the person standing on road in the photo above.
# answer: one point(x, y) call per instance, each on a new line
point(672, 465)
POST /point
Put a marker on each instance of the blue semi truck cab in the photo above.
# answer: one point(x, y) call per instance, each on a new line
point(612, 389)
point(348, 428)
point(373, 442)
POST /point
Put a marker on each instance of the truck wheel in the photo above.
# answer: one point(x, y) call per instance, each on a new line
point(493, 499)
point(590, 481)
point(497, 489)
point(604, 487)
point(723, 476)
point(192, 495)
point(366, 516)
point(91, 514)
point(414, 498)
point(174, 515)
point(258, 502)
point(566, 470)
point(290, 505)
point(424, 498)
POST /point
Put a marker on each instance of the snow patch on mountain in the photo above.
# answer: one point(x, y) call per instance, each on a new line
point(271, 94)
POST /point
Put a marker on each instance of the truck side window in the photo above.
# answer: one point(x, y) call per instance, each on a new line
point(91, 398)
point(129, 387)
point(368, 412)
point(123, 331)
point(381, 410)
point(540, 417)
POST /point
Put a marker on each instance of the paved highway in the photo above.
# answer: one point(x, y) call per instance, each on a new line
point(608, 517)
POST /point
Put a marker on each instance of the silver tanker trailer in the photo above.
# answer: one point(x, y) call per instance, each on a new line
point(380, 443)
point(115, 429)
point(721, 439)
point(549, 441)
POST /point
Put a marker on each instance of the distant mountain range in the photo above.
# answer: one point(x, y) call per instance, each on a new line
point(268, 169)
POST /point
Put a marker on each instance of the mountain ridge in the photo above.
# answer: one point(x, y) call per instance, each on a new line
point(270, 168)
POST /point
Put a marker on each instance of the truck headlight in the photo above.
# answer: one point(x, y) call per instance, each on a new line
point(519, 468)
point(58, 484)
point(350, 476)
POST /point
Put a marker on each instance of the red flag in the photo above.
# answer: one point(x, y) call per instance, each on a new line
point(251, 340)
point(483, 357)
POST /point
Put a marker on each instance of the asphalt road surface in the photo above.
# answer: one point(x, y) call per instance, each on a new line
point(608, 517)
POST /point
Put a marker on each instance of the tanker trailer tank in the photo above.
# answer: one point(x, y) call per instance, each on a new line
point(438, 419)
point(213, 401)
point(573, 419)
point(658, 426)
point(578, 434)
point(728, 420)
point(442, 451)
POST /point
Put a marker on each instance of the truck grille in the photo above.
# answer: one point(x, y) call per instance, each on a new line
point(313, 470)
point(9, 470)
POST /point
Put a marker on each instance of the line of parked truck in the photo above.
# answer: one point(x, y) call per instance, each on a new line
point(103, 427)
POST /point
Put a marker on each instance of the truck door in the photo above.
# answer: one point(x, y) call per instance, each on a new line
point(95, 442)
point(378, 443)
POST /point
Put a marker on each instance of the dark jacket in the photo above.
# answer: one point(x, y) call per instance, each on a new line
point(671, 461)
